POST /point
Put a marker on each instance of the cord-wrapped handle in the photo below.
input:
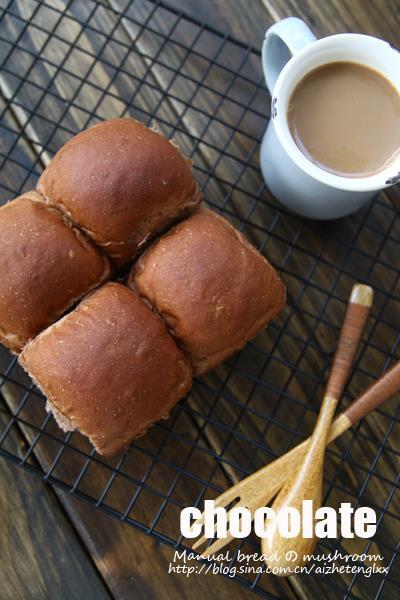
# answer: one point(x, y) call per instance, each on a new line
point(377, 393)
point(356, 315)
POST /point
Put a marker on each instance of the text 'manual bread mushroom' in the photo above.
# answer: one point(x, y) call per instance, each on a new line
point(109, 368)
point(212, 287)
point(122, 183)
point(45, 267)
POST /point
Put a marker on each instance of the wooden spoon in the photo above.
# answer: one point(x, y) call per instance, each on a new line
point(260, 487)
point(306, 481)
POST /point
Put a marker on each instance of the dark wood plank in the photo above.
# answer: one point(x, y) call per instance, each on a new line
point(375, 17)
point(136, 565)
point(40, 550)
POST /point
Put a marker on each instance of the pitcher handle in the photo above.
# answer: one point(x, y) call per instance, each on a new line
point(282, 41)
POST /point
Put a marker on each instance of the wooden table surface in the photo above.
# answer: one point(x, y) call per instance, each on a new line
point(53, 545)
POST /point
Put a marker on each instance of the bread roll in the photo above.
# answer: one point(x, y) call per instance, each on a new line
point(122, 183)
point(109, 368)
point(212, 287)
point(45, 267)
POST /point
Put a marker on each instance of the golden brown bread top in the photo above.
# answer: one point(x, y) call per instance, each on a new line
point(212, 287)
point(121, 182)
point(45, 266)
point(110, 367)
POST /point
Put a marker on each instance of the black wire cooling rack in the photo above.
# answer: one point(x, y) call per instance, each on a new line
point(67, 64)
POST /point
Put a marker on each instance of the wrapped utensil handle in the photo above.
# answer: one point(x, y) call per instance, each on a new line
point(356, 315)
point(376, 394)
point(380, 391)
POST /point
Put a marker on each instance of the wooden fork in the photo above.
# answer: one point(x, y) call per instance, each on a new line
point(350, 335)
point(261, 487)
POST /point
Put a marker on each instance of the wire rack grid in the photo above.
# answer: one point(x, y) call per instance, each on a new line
point(64, 66)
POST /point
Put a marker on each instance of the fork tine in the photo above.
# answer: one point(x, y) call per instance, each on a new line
point(222, 501)
point(217, 545)
point(199, 542)
point(224, 541)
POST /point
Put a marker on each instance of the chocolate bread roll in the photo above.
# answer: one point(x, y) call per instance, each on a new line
point(109, 368)
point(46, 265)
point(212, 287)
point(122, 183)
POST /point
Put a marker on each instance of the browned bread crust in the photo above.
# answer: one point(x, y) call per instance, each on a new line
point(110, 367)
point(45, 266)
point(122, 183)
point(213, 288)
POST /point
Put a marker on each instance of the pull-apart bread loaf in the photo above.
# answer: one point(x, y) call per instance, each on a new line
point(109, 368)
point(122, 183)
point(212, 287)
point(46, 266)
